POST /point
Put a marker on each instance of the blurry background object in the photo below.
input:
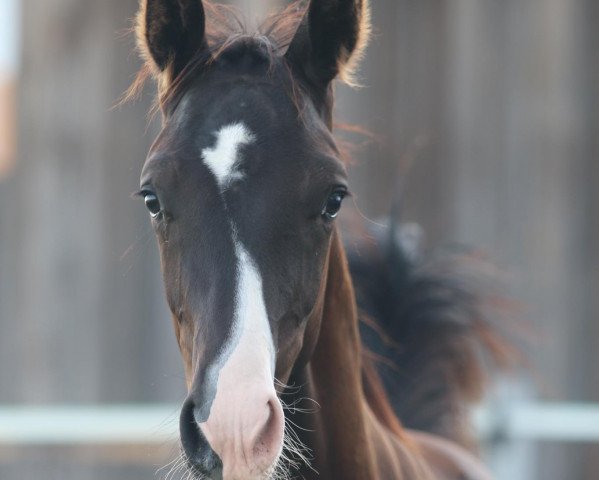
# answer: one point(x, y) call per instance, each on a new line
point(9, 41)
point(495, 105)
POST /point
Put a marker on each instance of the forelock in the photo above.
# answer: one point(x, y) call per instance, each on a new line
point(225, 29)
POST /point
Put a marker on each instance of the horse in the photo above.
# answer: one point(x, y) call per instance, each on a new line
point(243, 185)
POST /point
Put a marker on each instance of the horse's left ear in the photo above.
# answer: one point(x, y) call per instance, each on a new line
point(169, 33)
point(330, 40)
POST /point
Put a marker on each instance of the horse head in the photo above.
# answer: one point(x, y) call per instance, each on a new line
point(243, 185)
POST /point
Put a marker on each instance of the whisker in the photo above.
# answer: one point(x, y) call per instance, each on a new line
point(164, 467)
point(293, 407)
point(288, 389)
point(295, 454)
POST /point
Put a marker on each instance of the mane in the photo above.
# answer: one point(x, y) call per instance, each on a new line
point(433, 327)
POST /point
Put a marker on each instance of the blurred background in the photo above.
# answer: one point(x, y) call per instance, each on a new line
point(494, 103)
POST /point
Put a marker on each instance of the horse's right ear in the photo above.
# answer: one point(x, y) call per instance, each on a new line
point(169, 33)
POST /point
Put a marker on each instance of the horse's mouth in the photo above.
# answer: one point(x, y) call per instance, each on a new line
point(276, 472)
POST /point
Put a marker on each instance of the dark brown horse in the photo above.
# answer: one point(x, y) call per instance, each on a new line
point(243, 186)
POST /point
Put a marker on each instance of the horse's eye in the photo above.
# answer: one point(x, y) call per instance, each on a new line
point(333, 205)
point(152, 204)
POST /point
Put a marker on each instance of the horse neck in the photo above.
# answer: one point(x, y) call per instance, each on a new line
point(338, 432)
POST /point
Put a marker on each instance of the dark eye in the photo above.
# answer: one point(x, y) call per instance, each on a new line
point(333, 204)
point(152, 203)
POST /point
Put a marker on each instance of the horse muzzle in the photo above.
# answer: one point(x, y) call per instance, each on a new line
point(240, 442)
point(239, 435)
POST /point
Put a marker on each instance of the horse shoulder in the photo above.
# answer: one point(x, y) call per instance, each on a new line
point(417, 455)
point(396, 456)
point(447, 459)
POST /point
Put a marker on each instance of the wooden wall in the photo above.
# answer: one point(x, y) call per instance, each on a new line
point(497, 102)
point(502, 98)
point(82, 313)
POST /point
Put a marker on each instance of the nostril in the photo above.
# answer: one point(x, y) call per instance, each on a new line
point(195, 446)
point(190, 433)
point(269, 441)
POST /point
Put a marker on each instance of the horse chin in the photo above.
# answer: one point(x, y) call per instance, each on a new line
point(272, 472)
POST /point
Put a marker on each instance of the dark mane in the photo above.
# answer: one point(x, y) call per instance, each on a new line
point(433, 329)
point(225, 28)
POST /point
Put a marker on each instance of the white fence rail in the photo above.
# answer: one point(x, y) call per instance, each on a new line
point(559, 422)
point(65, 425)
point(151, 424)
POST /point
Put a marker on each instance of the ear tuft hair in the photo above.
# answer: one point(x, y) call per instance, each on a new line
point(348, 69)
point(169, 33)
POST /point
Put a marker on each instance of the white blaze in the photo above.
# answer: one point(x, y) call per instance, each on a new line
point(251, 320)
point(250, 323)
point(246, 363)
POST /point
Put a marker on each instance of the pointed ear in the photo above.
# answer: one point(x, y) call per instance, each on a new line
point(170, 32)
point(331, 40)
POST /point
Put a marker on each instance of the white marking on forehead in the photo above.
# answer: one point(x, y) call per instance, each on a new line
point(222, 158)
